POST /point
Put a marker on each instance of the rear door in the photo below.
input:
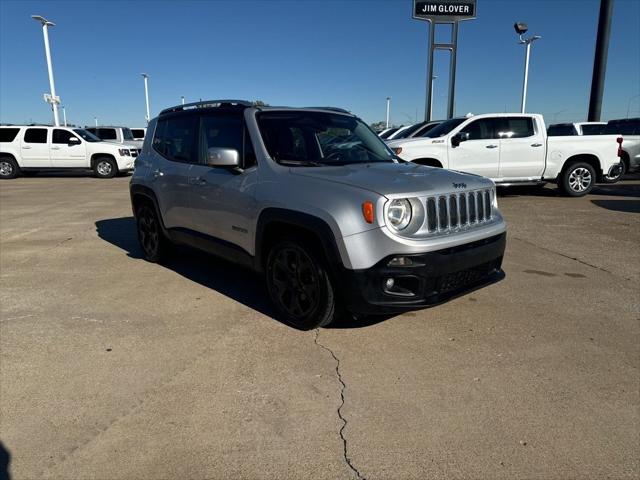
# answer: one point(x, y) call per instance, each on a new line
point(65, 154)
point(522, 148)
point(481, 153)
point(34, 148)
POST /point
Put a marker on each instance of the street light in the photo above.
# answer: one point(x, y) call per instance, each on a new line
point(52, 98)
point(182, 98)
point(388, 107)
point(521, 28)
point(146, 94)
point(95, 120)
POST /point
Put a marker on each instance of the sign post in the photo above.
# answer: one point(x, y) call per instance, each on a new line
point(438, 12)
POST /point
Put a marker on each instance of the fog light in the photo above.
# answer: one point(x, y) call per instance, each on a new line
point(389, 283)
point(400, 262)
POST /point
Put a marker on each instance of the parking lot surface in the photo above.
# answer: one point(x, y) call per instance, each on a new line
point(116, 368)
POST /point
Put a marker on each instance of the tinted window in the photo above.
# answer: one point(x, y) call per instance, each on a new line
point(62, 136)
point(482, 129)
point(624, 127)
point(561, 130)
point(426, 129)
point(126, 134)
point(8, 134)
point(514, 127)
point(444, 128)
point(35, 135)
point(389, 132)
point(175, 138)
point(410, 131)
point(592, 129)
point(88, 136)
point(107, 133)
point(138, 133)
point(221, 131)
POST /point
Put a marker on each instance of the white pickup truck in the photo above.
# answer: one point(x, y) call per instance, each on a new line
point(33, 148)
point(513, 149)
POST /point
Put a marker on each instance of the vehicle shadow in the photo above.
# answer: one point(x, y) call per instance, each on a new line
point(237, 283)
point(625, 188)
point(5, 460)
point(628, 206)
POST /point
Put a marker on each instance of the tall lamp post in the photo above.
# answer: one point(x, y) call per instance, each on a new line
point(431, 102)
point(388, 108)
point(182, 99)
point(521, 28)
point(146, 95)
point(51, 98)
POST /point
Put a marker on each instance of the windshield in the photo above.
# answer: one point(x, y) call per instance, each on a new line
point(306, 138)
point(127, 134)
point(406, 133)
point(444, 128)
point(87, 136)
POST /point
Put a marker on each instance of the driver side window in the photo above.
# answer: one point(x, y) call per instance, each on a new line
point(482, 129)
point(62, 136)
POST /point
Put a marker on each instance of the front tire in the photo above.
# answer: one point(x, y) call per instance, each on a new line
point(617, 178)
point(577, 179)
point(299, 286)
point(105, 167)
point(155, 246)
point(8, 168)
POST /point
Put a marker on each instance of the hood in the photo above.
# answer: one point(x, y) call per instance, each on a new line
point(419, 141)
point(386, 179)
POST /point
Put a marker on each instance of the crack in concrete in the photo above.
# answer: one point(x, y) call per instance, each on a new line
point(344, 420)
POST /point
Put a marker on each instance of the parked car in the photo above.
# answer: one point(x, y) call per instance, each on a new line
point(398, 132)
point(139, 133)
point(629, 129)
point(388, 131)
point(312, 199)
point(26, 149)
point(514, 149)
point(579, 128)
point(417, 130)
point(122, 135)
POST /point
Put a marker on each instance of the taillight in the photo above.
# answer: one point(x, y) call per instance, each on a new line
point(367, 211)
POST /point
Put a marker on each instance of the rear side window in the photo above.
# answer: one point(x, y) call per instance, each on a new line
point(626, 127)
point(516, 127)
point(107, 133)
point(62, 136)
point(138, 133)
point(35, 135)
point(592, 129)
point(482, 129)
point(175, 138)
point(8, 134)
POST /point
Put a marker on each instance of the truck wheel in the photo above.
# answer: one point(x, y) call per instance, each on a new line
point(578, 179)
point(8, 168)
point(299, 286)
point(155, 245)
point(617, 178)
point(105, 168)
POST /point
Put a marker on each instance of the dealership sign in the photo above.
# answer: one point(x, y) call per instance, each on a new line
point(444, 11)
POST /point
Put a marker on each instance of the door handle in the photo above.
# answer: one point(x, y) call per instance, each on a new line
point(492, 146)
point(26, 147)
point(158, 173)
point(55, 148)
point(536, 144)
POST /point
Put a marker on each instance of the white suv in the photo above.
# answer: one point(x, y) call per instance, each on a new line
point(25, 149)
point(122, 135)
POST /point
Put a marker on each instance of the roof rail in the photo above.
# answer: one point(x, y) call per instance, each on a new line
point(333, 109)
point(208, 104)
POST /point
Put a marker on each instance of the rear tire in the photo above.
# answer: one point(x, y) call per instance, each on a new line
point(577, 179)
point(617, 178)
point(155, 245)
point(8, 168)
point(299, 286)
point(105, 167)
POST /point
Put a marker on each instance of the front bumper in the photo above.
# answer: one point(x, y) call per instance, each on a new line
point(434, 278)
point(126, 164)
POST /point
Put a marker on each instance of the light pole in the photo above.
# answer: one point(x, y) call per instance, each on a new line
point(521, 29)
point(388, 108)
point(146, 94)
point(64, 116)
point(52, 98)
point(431, 101)
point(182, 98)
point(95, 120)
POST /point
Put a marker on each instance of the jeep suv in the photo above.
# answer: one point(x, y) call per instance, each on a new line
point(315, 201)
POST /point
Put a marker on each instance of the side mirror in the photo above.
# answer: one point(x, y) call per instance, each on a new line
point(74, 141)
point(223, 157)
point(458, 138)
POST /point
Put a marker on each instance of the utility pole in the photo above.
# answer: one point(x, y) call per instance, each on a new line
point(50, 98)
point(600, 60)
point(146, 95)
point(388, 109)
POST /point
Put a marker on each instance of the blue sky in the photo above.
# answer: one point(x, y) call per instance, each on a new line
point(351, 54)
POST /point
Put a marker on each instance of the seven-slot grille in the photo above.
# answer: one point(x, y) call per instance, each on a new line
point(453, 211)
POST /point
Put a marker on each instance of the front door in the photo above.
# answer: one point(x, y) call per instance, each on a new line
point(64, 153)
point(522, 149)
point(222, 200)
point(34, 148)
point(480, 154)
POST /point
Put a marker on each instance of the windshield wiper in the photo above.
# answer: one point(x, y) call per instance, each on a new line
point(299, 163)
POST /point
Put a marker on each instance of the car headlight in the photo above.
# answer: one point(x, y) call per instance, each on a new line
point(399, 213)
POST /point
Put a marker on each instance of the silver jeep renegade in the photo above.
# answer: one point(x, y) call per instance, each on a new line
point(312, 199)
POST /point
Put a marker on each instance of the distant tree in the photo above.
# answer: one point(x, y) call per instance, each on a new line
point(378, 126)
point(260, 103)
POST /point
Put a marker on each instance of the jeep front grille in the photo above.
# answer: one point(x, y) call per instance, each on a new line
point(457, 211)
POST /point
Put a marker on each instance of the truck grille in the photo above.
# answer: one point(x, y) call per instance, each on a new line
point(455, 211)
